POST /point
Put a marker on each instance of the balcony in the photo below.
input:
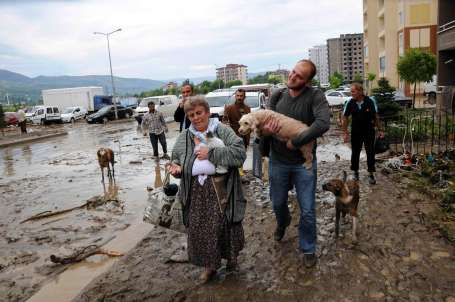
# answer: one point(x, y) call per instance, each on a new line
point(446, 36)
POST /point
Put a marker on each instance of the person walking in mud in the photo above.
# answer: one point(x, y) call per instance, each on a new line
point(365, 119)
point(179, 114)
point(213, 203)
point(234, 112)
point(154, 124)
point(304, 103)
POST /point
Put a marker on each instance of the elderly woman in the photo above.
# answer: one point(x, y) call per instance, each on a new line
point(213, 203)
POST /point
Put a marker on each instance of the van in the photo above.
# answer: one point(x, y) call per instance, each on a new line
point(217, 100)
point(46, 114)
point(166, 104)
point(254, 99)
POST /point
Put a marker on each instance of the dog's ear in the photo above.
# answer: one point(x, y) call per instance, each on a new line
point(345, 176)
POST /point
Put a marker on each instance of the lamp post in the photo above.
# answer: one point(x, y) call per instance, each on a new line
point(110, 65)
point(219, 81)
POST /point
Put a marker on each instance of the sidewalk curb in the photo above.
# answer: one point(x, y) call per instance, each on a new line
point(31, 139)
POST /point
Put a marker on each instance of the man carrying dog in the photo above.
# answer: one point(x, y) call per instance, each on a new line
point(154, 124)
point(365, 119)
point(179, 114)
point(234, 112)
point(308, 105)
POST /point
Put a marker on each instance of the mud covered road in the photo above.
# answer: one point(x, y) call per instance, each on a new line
point(399, 257)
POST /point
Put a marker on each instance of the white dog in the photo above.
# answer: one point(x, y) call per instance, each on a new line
point(289, 129)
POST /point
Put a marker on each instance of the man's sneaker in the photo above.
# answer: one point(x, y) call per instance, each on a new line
point(165, 156)
point(371, 179)
point(309, 260)
point(281, 230)
point(355, 175)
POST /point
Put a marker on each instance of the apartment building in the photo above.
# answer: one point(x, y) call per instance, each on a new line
point(318, 55)
point(446, 55)
point(390, 27)
point(232, 72)
point(345, 55)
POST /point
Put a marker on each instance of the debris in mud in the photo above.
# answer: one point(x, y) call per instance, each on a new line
point(135, 162)
point(83, 254)
point(91, 203)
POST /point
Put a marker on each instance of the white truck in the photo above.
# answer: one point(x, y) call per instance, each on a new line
point(73, 97)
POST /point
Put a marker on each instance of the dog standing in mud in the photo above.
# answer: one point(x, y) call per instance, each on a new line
point(106, 156)
point(347, 201)
point(289, 129)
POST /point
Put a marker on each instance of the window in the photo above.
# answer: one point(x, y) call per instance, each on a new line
point(400, 18)
point(55, 110)
point(382, 63)
point(49, 110)
point(400, 44)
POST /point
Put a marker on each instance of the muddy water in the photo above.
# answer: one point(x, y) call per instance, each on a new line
point(61, 173)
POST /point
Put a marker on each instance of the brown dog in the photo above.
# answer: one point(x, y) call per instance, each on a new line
point(106, 156)
point(289, 129)
point(347, 200)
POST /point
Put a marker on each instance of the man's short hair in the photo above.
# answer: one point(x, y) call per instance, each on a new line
point(151, 103)
point(188, 84)
point(313, 68)
point(241, 90)
point(358, 86)
point(194, 101)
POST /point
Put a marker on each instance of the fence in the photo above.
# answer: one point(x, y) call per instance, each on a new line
point(420, 131)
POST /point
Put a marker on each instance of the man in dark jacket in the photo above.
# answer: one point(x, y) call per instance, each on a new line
point(179, 114)
point(365, 119)
point(308, 105)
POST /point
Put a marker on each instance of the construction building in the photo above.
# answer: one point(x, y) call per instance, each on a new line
point(232, 72)
point(345, 55)
point(318, 55)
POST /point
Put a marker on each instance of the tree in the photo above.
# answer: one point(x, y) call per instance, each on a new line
point(416, 66)
point(205, 87)
point(335, 80)
point(357, 78)
point(233, 83)
point(259, 79)
point(217, 84)
point(315, 82)
point(2, 119)
point(383, 95)
point(370, 78)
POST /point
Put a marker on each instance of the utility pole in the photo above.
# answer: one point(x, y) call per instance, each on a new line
point(110, 65)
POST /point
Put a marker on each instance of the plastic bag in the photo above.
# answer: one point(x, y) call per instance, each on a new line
point(165, 210)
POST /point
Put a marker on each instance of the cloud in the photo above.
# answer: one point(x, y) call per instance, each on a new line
point(168, 39)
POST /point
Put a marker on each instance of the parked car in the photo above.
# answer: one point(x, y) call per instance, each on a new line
point(254, 99)
point(404, 101)
point(29, 113)
point(46, 114)
point(166, 104)
point(71, 114)
point(11, 118)
point(429, 89)
point(337, 98)
point(217, 100)
point(107, 113)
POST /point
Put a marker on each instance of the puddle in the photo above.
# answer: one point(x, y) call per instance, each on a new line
point(68, 284)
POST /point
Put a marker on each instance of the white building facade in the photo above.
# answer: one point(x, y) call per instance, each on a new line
point(318, 55)
point(232, 72)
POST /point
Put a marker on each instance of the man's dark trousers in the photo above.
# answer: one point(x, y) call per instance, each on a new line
point(359, 138)
point(154, 140)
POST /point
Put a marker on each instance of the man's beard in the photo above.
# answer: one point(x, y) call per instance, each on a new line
point(296, 87)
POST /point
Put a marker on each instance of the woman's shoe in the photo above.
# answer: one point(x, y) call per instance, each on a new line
point(207, 275)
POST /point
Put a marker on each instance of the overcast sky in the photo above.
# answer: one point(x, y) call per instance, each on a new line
point(166, 39)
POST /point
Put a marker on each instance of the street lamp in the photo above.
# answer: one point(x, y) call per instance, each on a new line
point(110, 65)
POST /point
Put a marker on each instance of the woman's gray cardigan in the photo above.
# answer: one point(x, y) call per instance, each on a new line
point(232, 156)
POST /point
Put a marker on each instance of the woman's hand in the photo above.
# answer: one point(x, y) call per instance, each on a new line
point(202, 151)
point(174, 169)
